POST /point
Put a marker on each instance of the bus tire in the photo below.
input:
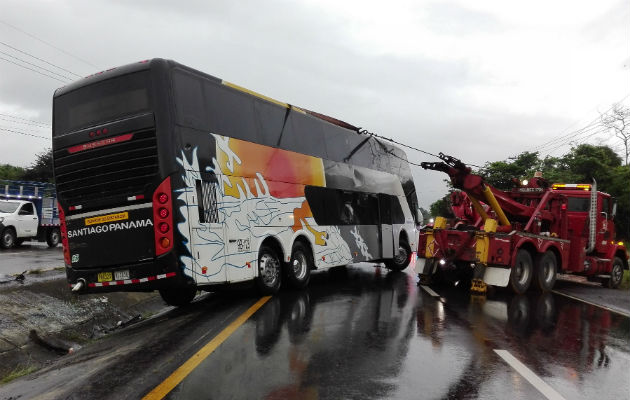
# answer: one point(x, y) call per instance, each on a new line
point(402, 258)
point(616, 274)
point(522, 271)
point(546, 270)
point(178, 297)
point(53, 238)
point(269, 271)
point(298, 270)
point(8, 238)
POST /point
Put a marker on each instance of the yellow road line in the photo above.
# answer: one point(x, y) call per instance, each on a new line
point(193, 362)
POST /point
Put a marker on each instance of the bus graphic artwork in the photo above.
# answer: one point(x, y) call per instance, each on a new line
point(229, 186)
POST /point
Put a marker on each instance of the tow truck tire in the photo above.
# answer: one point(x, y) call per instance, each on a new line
point(8, 238)
point(53, 238)
point(269, 271)
point(402, 258)
point(522, 271)
point(298, 270)
point(178, 297)
point(546, 269)
point(616, 274)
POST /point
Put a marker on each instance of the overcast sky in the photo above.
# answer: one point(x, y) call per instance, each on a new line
point(479, 80)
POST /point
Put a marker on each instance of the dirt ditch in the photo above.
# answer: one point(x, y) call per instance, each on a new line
point(41, 320)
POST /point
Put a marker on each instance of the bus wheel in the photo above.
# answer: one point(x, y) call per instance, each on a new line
point(269, 277)
point(53, 238)
point(298, 271)
point(546, 268)
point(401, 259)
point(8, 238)
point(616, 274)
point(522, 271)
point(178, 297)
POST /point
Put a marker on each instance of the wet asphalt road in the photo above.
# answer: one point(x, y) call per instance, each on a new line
point(358, 333)
point(30, 256)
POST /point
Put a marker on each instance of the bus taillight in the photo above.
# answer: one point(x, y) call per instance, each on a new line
point(162, 222)
point(64, 235)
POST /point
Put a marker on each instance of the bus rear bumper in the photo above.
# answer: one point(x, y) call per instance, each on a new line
point(162, 272)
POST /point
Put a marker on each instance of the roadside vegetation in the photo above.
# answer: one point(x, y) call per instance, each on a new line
point(40, 170)
point(625, 282)
point(19, 371)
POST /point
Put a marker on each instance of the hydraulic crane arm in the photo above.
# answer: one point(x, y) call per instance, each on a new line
point(478, 190)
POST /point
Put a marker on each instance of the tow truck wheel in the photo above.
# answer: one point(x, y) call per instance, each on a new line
point(402, 258)
point(178, 297)
point(8, 238)
point(616, 274)
point(269, 271)
point(522, 271)
point(53, 238)
point(546, 268)
point(298, 270)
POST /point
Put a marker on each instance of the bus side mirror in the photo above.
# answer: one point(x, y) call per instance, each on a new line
point(614, 210)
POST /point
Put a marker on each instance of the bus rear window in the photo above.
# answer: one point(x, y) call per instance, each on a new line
point(102, 102)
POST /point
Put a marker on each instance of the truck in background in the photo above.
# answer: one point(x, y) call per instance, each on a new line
point(28, 211)
point(521, 237)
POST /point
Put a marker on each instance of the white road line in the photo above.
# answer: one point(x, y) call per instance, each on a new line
point(526, 373)
point(429, 290)
point(591, 303)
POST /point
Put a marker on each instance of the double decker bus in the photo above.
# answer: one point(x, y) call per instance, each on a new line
point(170, 179)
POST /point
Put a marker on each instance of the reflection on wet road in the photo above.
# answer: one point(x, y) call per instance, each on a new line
point(359, 332)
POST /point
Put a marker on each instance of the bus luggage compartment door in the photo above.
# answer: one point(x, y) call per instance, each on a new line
point(207, 234)
point(385, 223)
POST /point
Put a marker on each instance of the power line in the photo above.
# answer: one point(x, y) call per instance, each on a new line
point(23, 133)
point(563, 136)
point(48, 44)
point(35, 65)
point(40, 59)
point(25, 67)
point(24, 119)
point(575, 137)
point(24, 123)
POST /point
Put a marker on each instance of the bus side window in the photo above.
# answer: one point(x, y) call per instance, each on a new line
point(398, 217)
point(347, 211)
point(207, 199)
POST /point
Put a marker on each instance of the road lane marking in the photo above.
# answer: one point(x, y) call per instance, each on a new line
point(429, 290)
point(531, 377)
point(592, 304)
point(164, 388)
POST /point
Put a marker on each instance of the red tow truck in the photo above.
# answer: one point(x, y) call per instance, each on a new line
point(521, 237)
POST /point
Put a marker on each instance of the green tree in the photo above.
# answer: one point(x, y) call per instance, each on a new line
point(42, 169)
point(442, 208)
point(11, 172)
point(500, 173)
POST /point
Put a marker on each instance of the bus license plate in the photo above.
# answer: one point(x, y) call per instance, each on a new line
point(121, 275)
point(105, 277)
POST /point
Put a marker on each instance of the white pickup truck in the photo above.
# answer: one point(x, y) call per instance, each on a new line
point(29, 215)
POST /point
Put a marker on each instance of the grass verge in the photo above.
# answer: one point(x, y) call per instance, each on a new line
point(625, 281)
point(19, 371)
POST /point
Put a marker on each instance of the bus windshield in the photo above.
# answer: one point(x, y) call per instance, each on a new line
point(104, 101)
